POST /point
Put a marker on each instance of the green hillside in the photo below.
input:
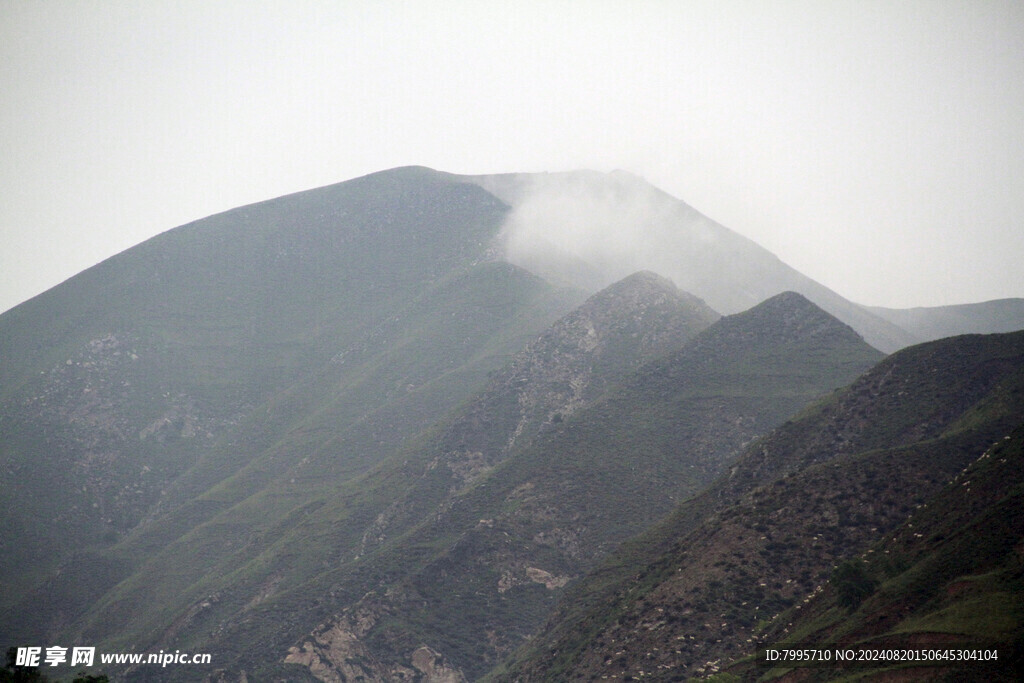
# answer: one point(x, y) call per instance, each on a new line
point(292, 344)
point(482, 569)
point(950, 576)
point(359, 431)
point(450, 553)
point(298, 529)
point(701, 588)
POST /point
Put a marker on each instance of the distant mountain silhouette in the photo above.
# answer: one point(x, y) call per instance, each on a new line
point(1001, 315)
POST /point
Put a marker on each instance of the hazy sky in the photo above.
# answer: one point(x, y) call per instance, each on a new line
point(878, 147)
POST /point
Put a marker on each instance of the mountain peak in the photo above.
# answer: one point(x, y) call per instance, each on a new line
point(590, 229)
point(644, 279)
point(784, 319)
point(646, 285)
point(644, 304)
point(797, 311)
point(790, 303)
point(574, 361)
point(617, 329)
point(789, 298)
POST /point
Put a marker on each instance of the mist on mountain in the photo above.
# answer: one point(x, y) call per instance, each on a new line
point(589, 229)
point(384, 414)
point(616, 224)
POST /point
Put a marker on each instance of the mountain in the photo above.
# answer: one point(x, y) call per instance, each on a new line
point(588, 229)
point(300, 339)
point(706, 585)
point(252, 427)
point(1000, 315)
point(621, 401)
point(482, 567)
point(950, 576)
point(573, 362)
point(253, 554)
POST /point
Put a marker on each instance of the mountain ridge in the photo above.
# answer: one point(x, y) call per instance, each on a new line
point(529, 527)
point(934, 322)
point(593, 228)
point(130, 388)
point(816, 490)
point(231, 410)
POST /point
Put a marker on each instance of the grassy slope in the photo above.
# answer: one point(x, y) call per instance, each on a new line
point(329, 538)
point(800, 499)
point(196, 549)
point(314, 332)
point(950, 575)
point(471, 589)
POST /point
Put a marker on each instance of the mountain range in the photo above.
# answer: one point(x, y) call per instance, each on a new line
point(420, 426)
point(733, 567)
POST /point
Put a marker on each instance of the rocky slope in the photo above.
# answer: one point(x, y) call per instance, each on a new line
point(700, 590)
point(235, 431)
point(949, 576)
point(483, 568)
point(302, 338)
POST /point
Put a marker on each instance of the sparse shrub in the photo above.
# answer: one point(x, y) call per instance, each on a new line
point(852, 583)
point(892, 565)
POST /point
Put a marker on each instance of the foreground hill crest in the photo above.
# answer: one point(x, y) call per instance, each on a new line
point(739, 565)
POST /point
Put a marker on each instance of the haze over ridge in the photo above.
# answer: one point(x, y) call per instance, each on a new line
point(590, 229)
point(875, 147)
